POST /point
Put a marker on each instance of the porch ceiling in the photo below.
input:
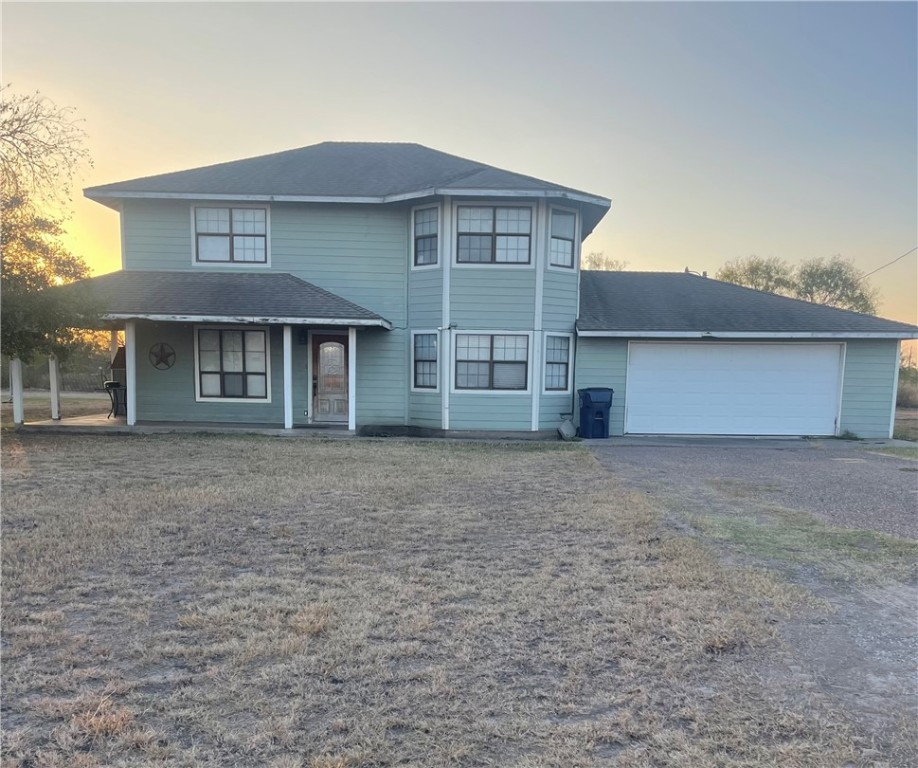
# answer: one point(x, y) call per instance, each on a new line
point(187, 296)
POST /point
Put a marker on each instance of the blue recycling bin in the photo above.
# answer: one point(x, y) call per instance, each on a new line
point(595, 404)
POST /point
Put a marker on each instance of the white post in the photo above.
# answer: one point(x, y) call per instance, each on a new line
point(288, 377)
point(54, 379)
point(16, 390)
point(130, 364)
point(352, 378)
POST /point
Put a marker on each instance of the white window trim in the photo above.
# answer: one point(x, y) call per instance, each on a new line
point(454, 236)
point(429, 390)
point(575, 267)
point(570, 364)
point(488, 392)
point(230, 264)
point(199, 398)
point(425, 267)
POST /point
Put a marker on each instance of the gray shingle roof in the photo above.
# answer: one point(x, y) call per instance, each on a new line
point(678, 302)
point(229, 295)
point(375, 172)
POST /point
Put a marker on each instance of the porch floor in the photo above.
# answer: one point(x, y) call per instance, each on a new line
point(98, 423)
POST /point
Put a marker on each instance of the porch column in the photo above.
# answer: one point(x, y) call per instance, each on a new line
point(352, 378)
point(54, 381)
point(130, 364)
point(16, 390)
point(288, 377)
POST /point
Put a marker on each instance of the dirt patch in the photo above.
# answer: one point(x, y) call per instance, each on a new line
point(243, 600)
point(906, 426)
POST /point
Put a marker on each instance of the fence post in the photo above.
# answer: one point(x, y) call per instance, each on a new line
point(16, 390)
point(54, 380)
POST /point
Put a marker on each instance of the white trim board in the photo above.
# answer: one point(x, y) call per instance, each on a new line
point(247, 320)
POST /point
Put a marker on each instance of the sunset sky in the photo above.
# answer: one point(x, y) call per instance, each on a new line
point(718, 130)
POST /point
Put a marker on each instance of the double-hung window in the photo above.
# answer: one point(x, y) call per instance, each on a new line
point(557, 363)
point(232, 363)
point(236, 235)
point(425, 236)
point(561, 246)
point(491, 361)
point(493, 235)
point(425, 361)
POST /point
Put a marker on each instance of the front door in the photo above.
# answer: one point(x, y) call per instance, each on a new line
point(330, 378)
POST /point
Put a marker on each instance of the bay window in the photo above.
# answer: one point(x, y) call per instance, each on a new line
point(561, 245)
point(492, 361)
point(493, 235)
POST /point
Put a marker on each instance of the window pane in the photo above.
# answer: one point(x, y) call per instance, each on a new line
point(213, 248)
point(561, 253)
point(425, 374)
point(212, 220)
point(511, 348)
point(209, 341)
point(476, 219)
point(472, 375)
point(425, 222)
point(232, 385)
point(512, 250)
point(425, 346)
point(249, 221)
point(556, 376)
point(556, 349)
point(425, 250)
point(210, 385)
point(513, 220)
point(210, 361)
point(232, 350)
point(254, 341)
point(562, 224)
point(473, 347)
point(255, 359)
point(256, 386)
point(474, 248)
point(509, 376)
point(249, 249)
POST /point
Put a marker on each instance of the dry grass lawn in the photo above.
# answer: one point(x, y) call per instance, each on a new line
point(214, 600)
point(37, 407)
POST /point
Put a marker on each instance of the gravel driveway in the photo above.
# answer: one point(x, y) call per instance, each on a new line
point(843, 483)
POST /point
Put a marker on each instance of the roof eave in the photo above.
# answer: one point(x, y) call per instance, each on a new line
point(639, 334)
point(161, 317)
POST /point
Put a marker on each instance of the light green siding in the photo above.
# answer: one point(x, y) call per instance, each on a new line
point(490, 411)
point(603, 363)
point(381, 377)
point(492, 298)
point(425, 298)
point(424, 409)
point(551, 407)
point(157, 235)
point(559, 300)
point(169, 395)
point(868, 387)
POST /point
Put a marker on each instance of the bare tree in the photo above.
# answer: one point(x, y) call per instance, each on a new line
point(599, 261)
point(41, 148)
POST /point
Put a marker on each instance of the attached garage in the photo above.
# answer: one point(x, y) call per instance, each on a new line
point(688, 355)
point(689, 388)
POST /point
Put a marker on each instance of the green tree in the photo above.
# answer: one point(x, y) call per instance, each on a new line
point(41, 148)
point(764, 274)
point(599, 261)
point(835, 282)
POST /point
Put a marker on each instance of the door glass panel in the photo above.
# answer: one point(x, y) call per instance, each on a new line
point(331, 367)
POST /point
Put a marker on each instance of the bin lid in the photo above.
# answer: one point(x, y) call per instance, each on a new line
point(596, 395)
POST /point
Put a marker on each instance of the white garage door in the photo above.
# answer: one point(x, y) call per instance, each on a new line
point(732, 389)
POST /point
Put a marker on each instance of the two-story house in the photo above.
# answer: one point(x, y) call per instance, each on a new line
point(369, 285)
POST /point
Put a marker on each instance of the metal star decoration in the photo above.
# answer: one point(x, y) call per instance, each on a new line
point(162, 356)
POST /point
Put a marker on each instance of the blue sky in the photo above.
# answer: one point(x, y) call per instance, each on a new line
point(717, 129)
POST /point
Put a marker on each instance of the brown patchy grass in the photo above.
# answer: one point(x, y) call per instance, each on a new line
point(214, 600)
point(906, 425)
point(38, 407)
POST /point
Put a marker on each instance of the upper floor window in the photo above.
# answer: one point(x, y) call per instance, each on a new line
point(561, 248)
point(493, 235)
point(491, 361)
point(231, 235)
point(425, 236)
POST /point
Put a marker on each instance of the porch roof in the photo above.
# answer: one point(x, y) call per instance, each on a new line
point(223, 297)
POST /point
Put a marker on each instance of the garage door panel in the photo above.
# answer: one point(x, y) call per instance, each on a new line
point(733, 389)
